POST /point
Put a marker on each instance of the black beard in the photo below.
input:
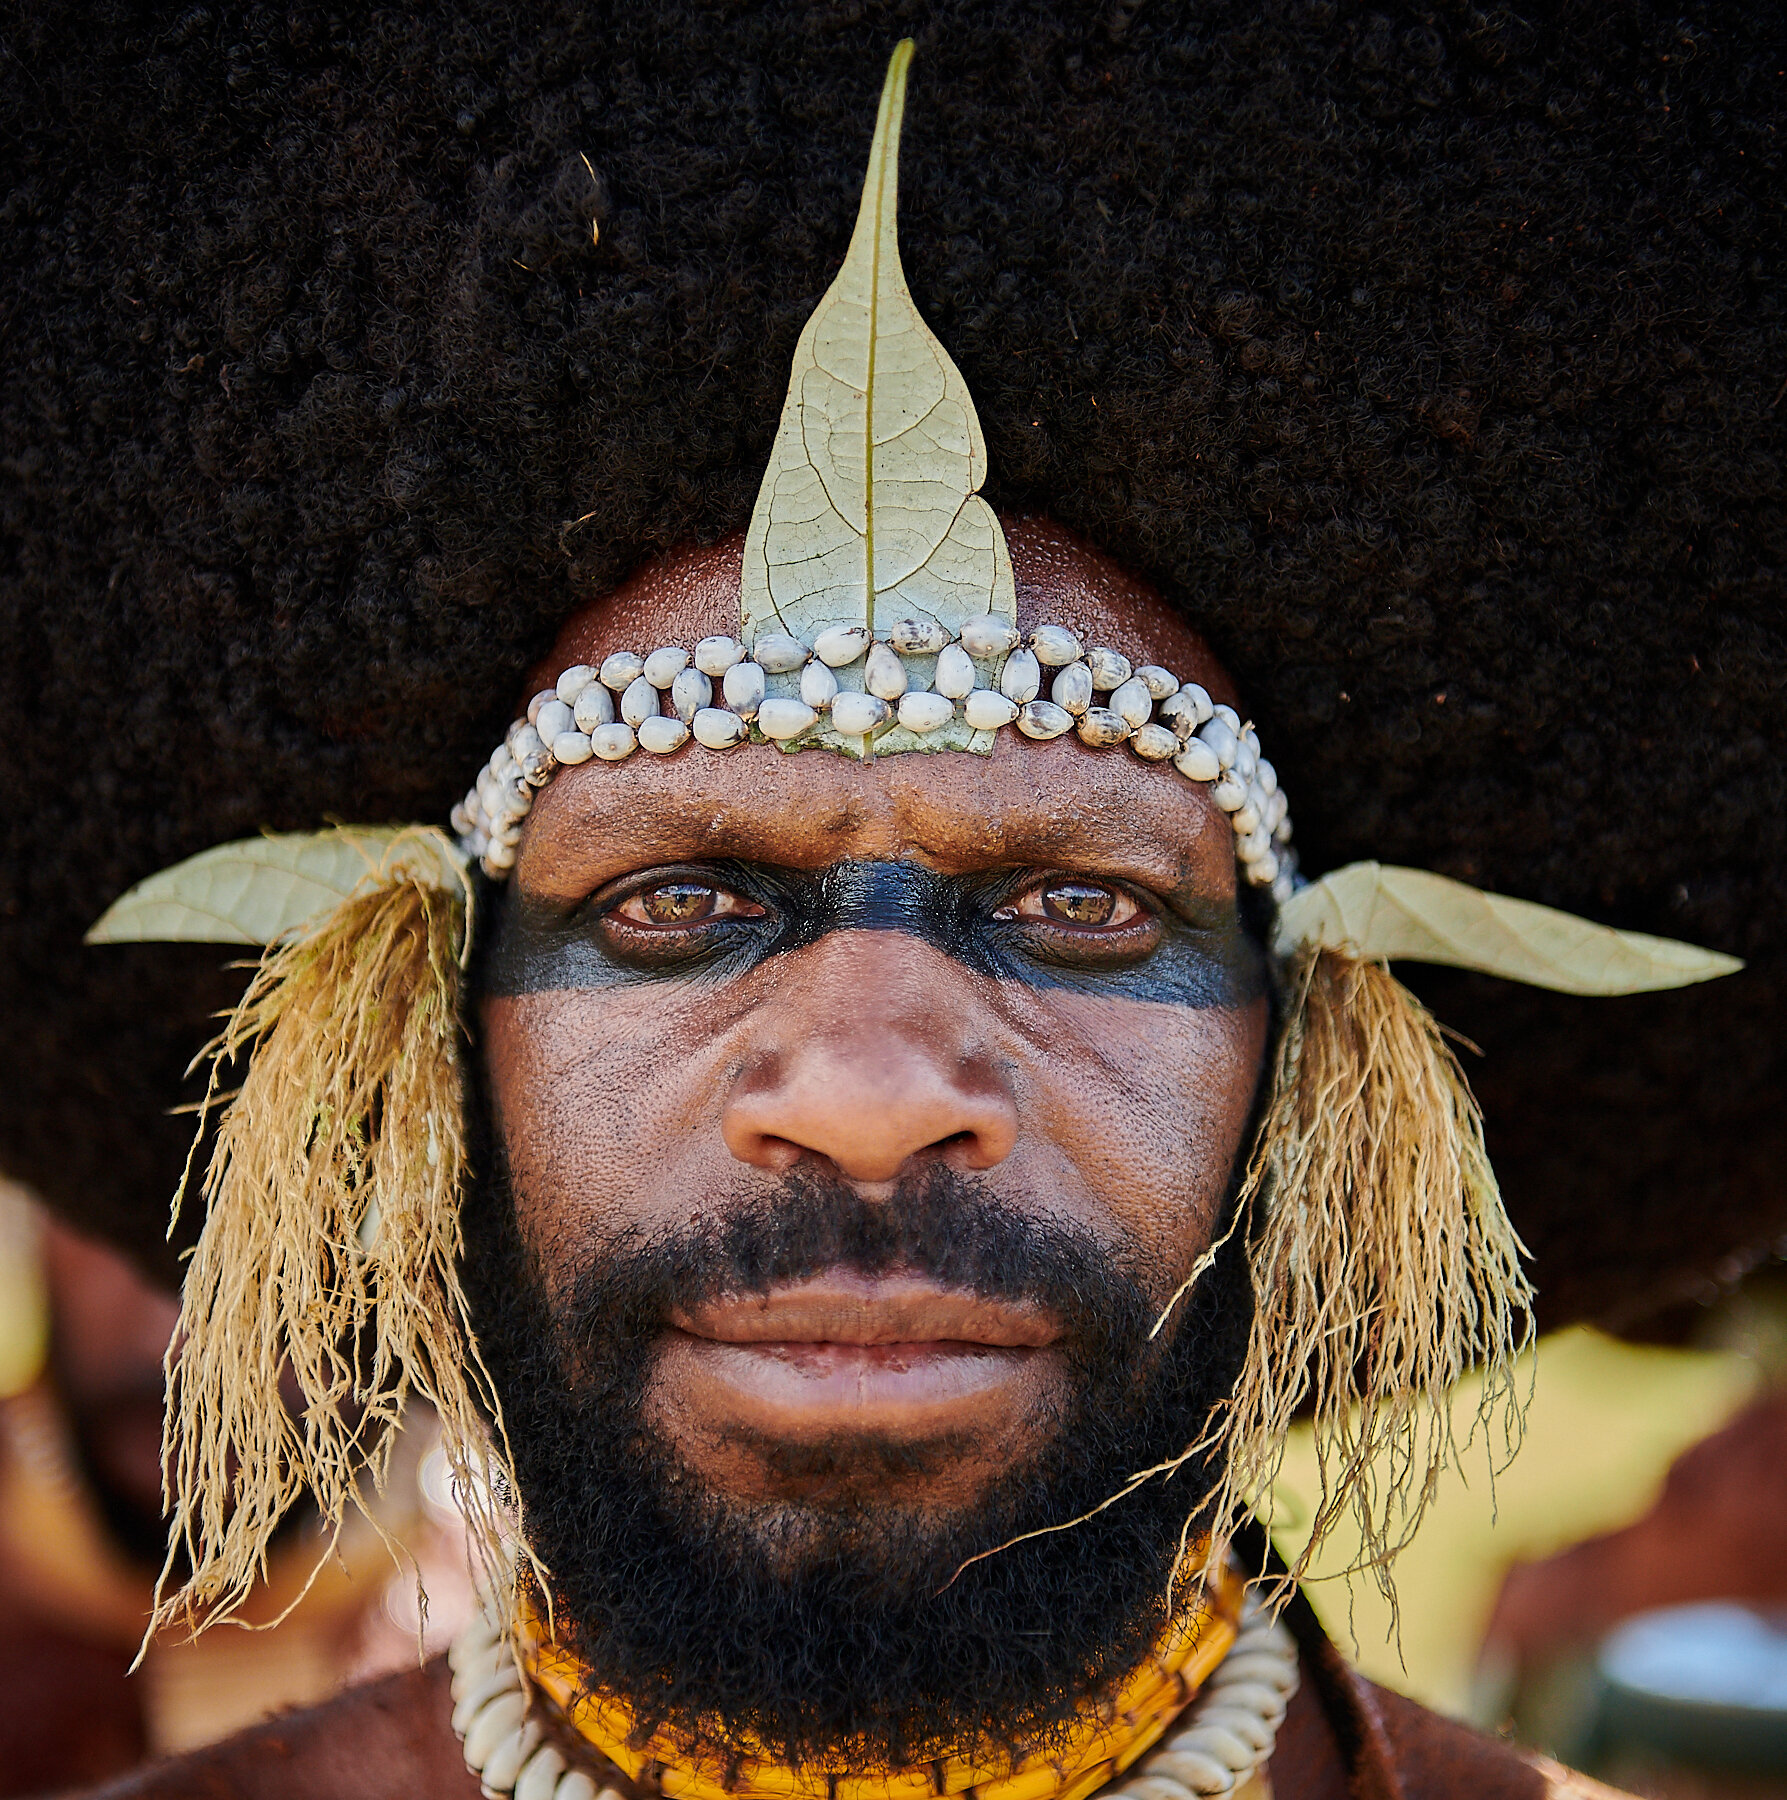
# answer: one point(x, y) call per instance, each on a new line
point(837, 1639)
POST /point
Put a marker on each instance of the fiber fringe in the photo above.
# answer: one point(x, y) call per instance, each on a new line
point(330, 1250)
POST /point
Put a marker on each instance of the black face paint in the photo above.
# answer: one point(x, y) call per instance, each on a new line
point(1196, 952)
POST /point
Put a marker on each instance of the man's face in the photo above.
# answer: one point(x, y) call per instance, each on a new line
point(910, 1091)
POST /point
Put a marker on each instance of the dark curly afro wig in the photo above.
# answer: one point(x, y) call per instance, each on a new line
point(1432, 358)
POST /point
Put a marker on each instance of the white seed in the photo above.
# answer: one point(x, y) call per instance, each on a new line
point(1259, 1666)
point(1266, 776)
point(918, 637)
point(460, 820)
point(572, 747)
point(715, 655)
point(779, 653)
point(575, 1785)
point(1238, 1722)
point(613, 743)
point(621, 670)
point(1199, 698)
point(1196, 761)
point(1247, 817)
point(1267, 1701)
point(1132, 699)
point(855, 715)
point(555, 716)
point(1072, 688)
point(689, 692)
point(1246, 759)
point(639, 702)
point(1214, 1741)
point(884, 675)
point(538, 766)
point(1177, 711)
point(1217, 734)
point(661, 735)
point(574, 680)
point(1253, 847)
point(1283, 887)
point(1099, 727)
point(986, 711)
point(663, 666)
point(1054, 646)
point(743, 688)
point(955, 672)
point(1021, 678)
point(1158, 681)
point(539, 700)
point(1229, 717)
point(1277, 808)
point(1154, 743)
point(785, 718)
point(1202, 1774)
point(718, 730)
point(817, 685)
point(500, 1679)
point(539, 1780)
point(1109, 668)
point(499, 856)
point(1262, 871)
point(505, 1762)
point(1043, 719)
point(492, 1725)
point(921, 712)
point(989, 635)
point(595, 706)
point(1230, 793)
point(841, 645)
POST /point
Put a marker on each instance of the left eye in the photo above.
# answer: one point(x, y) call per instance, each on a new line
point(1083, 905)
point(681, 903)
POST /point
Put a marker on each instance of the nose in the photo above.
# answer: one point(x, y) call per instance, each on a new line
point(869, 1058)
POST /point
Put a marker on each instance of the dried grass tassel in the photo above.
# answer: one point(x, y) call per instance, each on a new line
point(330, 1247)
point(1384, 1266)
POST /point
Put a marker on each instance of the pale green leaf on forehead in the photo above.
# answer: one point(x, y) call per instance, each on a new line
point(870, 512)
point(1375, 909)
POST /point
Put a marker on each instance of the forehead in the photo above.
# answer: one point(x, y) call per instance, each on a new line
point(1052, 804)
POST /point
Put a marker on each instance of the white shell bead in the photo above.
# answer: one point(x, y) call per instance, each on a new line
point(613, 743)
point(1229, 717)
point(1177, 711)
point(1266, 776)
point(715, 729)
point(1109, 668)
point(1263, 870)
point(1162, 1786)
point(918, 637)
point(460, 819)
point(1197, 761)
point(1154, 743)
point(639, 702)
point(1099, 727)
point(572, 747)
point(575, 1785)
point(743, 688)
point(779, 653)
point(1072, 688)
point(884, 675)
point(506, 1760)
point(818, 685)
point(1247, 818)
point(555, 716)
point(955, 672)
point(1230, 793)
point(539, 700)
point(920, 712)
point(1256, 1696)
point(494, 1723)
point(1259, 1665)
point(1238, 1722)
point(1254, 846)
point(500, 856)
point(1283, 887)
point(621, 670)
point(479, 1693)
point(661, 735)
point(595, 706)
point(986, 711)
point(1158, 681)
point(1021, 678)
point(663, 666)
point(1043, 719)
point(841, 645)
point(785, 718)
point(539, 1780)
point(1277, 807)
point(1054, 645)
point(715, 655)
point(689, 692)
point(574, 680)
point(1201, 1773)
point(1215, 1741)
point(1199, 698)
point(1132, 699)
point(855, 715)
point(1217, 734)
point(988, 635)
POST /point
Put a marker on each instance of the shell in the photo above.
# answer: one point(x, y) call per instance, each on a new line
point(1099, 727)
point(595, 706)
point(955, 672)
point(1230, 793)
point(1021, 678)
point(1266, 776)
point(476, 1695)
point(840, 645)
point(500, 856)
point(575, 1785)
point(1154, 743)
point(1201, 1773)
point(1158, 681)
point(781, 719)
point(1043, 719)
point(505, 1761)
point(855, 715)
point(986, 711)
point(572, 748)
point(1199, 698)
point(1132, 699)
point(661, 735)
point(1255, 846)
point(779, 653)
point(663, 666)
point(1262, 871)
point(718, 730)
point(1054, 645)
point(555, 716)
point(539, 1779)
point(1178, 711)
point(689, 692)
point(1247, 817)
point(1217, 734)
point(988, 635)
point(1239, 1722)
point(1229, 717)
point(1277, 807)
point(715, 655)
point(1263, 1666)
point(818, 685)
point(639, 702)
point(918, 637)
point(1072, 688)
point(539, 700)
point(494, 1723)
point(921, 712)
point(743, 688)
point(573, 681)
point(621, 670)
point(460, 820)
point(1214, 1741)
point(1196, 761)
point(613, 743)
point(1283, 885)
point(1110, 669)
point(885, 675)
point(1257, 1696)
point(1247, 758)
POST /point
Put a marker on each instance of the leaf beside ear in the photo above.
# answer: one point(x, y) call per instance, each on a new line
point(1379, 910)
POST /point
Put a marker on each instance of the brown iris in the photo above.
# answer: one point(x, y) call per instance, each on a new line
point(676, 903)
point(1079, 903)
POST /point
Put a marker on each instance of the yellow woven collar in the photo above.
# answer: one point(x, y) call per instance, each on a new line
point(1105, 1741)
